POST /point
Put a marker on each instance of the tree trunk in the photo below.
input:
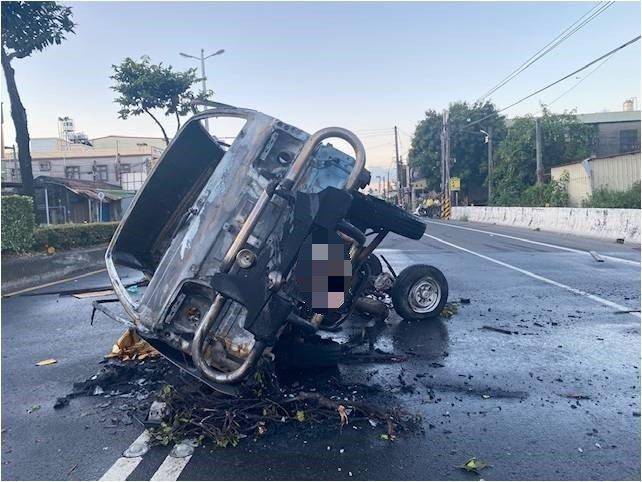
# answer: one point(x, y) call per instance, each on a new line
point(159, 125)
point(19, 116)
point(178, 122)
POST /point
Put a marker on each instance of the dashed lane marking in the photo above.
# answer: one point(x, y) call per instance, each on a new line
point(539, 243)
point(124, 466)
point(576, 291)
point(171, 468)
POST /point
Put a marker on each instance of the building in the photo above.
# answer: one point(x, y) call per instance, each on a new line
point(616, 132)
point(616, 173)
point(61, 201)
point(76, 182)
point(126, 142)
point(81, 162)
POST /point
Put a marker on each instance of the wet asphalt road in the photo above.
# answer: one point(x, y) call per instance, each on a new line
point(501, 398)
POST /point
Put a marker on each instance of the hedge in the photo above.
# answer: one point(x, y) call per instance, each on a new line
point(18, 223)
point(65, 236)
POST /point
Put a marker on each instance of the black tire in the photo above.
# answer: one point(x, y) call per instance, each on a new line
point(370, 212)
point(408, 280)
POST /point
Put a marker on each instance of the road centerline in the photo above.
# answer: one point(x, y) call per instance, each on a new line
point(539, 243)
point(576, 291)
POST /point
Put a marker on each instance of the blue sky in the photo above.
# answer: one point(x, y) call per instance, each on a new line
point(363, 66)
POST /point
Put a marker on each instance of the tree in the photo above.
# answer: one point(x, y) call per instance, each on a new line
point(144, 87)
point(27, 27)
point(564, 139)
point(468, 151)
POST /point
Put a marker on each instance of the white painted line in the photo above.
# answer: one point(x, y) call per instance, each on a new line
point(26, 290)
point(121, 469)
point(548, 245)
point(576, 291)
point(124, 466)
point(171, 468)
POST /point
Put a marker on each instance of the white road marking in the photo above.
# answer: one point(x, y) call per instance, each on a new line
point(171, 468)
point(45, 285)
point(124, 466)
point(576, 291)
point(548, 245)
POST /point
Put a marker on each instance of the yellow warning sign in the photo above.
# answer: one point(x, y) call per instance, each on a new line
point(455, 183)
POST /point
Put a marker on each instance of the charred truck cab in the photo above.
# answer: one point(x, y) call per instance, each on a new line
point(217, 230)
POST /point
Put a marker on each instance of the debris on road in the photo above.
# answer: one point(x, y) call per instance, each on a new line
point(449, 310)
point(48, 361)
point(596, 256)
point(474, 465)
point(131, 347)
point(498, 330)
point(33, 408)
point(61, 402)
point(93, 294)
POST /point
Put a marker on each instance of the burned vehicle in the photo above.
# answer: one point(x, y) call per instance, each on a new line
point(240, 242)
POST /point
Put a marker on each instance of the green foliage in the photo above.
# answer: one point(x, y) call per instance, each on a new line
point(564, 139)
point(143, 87)
point(18, 223)
point(29, 26)
point(604, 198)
point(468, 149)
point(66, 236)
point(553, 193)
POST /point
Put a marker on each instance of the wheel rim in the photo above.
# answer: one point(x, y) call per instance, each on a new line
point(424, 296)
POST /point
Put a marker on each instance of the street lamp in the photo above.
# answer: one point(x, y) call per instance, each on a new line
point(203, 58)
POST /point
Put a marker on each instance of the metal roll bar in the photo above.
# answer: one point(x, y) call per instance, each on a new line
point(290, 182)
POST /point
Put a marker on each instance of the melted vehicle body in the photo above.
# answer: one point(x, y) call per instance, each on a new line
point(218, 231)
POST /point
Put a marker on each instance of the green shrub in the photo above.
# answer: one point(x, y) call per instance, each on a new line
point(18, 223)
point(553, 193)
point(66, 236)
point(604, 198)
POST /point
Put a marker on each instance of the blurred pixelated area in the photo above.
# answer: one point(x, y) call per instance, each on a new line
point(323, 271)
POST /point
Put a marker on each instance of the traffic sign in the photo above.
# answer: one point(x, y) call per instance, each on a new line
point(455, 183)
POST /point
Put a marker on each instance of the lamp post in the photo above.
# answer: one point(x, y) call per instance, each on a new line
point(203, 58)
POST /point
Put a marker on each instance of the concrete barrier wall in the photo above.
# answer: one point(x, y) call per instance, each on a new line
point(19, 272)
point(608, 224)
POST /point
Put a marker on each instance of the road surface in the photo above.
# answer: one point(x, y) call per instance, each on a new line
point(510, 400)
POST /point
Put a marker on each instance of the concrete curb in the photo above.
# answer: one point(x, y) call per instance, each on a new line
point(20, 272)
point(607, 224)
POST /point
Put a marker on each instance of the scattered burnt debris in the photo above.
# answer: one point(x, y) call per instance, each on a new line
point(176, 407)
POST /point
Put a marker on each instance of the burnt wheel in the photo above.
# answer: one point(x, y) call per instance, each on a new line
point(420, 292)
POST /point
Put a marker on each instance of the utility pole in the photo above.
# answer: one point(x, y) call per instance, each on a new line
point(203, 79)
point(400, 176)
point(539, 169)
point(490, 163)
point(489, 178)
point(445, 155)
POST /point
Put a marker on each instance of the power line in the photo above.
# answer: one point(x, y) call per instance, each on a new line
point(608, 54)
point(580, 81)
point(571, 30)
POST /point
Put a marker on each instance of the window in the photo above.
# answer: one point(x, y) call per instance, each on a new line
point(125, 168)
point(45, 166)
point(629, 140)
point(72, 172)
point(100, 173)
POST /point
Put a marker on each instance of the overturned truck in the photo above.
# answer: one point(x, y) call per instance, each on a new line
point(242, 242)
